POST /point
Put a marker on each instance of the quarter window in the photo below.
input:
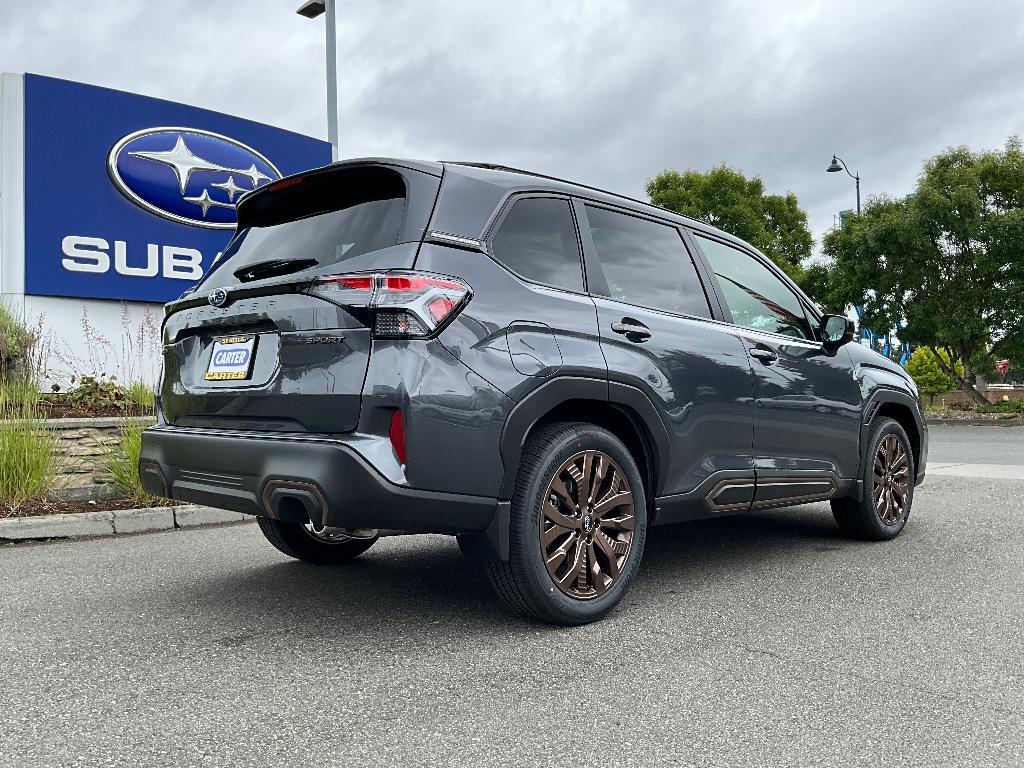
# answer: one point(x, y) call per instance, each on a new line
point(646, 263)
point(756, 296)
point(537, 240)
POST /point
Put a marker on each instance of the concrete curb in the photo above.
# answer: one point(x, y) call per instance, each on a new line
point(1012, 422)
point(120, 521)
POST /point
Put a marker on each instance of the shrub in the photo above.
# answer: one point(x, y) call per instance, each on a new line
point(130, 357)
point(16, 343)
point(92, 392)
point(123, 463)
point(931, 380)
point(1010, 407)
point(1003, 406)
point(141, 396)
point(27, 460)
point(18, 397)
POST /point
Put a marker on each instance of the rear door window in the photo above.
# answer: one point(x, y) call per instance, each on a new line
point(537, 240)
point(646, 263)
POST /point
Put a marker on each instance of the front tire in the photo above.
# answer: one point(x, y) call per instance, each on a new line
point(578, 523)
point(888, 493)
point(301, 542)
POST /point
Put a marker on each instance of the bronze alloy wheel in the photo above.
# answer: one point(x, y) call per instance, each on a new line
point(586, 525)
point(891, 480)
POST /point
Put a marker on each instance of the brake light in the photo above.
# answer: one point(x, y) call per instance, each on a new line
point(401, 304)
point(396, 433)
point(294, 181)
point(356, 283)
point(417, 283)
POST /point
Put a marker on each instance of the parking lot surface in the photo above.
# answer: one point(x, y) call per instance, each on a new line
point(759, 640)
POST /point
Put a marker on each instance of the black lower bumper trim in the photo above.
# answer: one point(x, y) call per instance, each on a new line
point(233, 472)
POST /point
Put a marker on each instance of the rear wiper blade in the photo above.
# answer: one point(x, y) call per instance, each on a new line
point(273, 268)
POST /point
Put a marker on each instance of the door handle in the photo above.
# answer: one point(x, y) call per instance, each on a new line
point(632, 330)
point(766, 356)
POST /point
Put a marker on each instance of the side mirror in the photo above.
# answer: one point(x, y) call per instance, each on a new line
point(835, 331)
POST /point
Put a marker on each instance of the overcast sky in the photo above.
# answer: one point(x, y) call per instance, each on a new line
point(606, 92)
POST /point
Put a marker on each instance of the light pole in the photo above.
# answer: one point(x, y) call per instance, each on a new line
point(312, 10)
point(838, 164)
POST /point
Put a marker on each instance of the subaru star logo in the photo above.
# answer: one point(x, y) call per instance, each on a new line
point(218, 297)
point(188, 175)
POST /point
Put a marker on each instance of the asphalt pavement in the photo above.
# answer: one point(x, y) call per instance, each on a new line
point(762, 640)
point(976, 445)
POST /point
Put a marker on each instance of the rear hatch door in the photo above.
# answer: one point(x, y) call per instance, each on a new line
point(250, 348)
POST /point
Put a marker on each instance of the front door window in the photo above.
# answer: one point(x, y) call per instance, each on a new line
point(757, 298)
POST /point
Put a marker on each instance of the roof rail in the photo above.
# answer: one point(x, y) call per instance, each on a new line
point(509, 169)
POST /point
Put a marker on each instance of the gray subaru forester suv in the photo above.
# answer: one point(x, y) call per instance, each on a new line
point(544, 370)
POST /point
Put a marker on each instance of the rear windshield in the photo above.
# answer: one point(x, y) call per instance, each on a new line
point(324, 220)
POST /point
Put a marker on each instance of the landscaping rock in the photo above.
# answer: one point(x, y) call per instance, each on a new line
point(85, 492)
point(82, 447)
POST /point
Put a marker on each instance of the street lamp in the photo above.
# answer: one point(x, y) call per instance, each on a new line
point(311, 10)
point(838, 164)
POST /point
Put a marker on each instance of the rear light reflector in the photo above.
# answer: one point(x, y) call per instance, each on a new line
point(440, 307)
point(402, 304)
point(396, 433)
point(397, 324)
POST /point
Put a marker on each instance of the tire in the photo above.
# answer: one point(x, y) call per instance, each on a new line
point(603, 547)
point(882, 511)
point(297, 541)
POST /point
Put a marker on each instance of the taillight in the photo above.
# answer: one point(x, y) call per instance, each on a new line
point(401, 304)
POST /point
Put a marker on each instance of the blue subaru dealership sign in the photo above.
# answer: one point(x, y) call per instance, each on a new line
point(133, 198)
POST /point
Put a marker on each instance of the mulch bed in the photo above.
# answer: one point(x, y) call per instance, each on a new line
point(955, 414)
point(42, 507)
point(58, 410)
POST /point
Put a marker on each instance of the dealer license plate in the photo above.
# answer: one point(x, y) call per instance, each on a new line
point(231, 358)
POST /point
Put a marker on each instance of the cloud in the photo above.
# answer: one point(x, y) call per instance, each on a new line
point(605, 92)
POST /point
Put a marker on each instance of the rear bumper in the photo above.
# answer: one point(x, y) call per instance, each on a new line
point(254, 474)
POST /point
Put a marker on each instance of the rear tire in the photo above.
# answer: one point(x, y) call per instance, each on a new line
point(578, 523)
point(888, 487)
point(296, 540)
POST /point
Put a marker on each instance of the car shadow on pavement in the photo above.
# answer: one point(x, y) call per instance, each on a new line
point(407, 583)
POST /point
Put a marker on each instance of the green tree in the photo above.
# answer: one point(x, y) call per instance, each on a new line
point(930, 376)
point(725, 198)
point(945, 264)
